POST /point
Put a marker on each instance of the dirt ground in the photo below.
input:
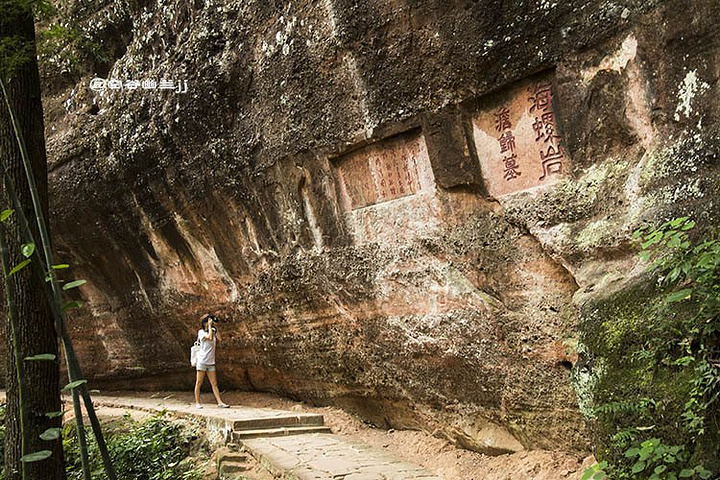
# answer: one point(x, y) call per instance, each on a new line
point(434, 454)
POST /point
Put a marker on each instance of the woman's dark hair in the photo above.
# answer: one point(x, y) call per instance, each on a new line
point(206, 318)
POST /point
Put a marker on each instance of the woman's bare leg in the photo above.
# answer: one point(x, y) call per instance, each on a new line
point(213, 383)
point(198, 383)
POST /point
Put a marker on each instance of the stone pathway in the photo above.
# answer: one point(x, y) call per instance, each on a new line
point(291, 445)
point(330, 457)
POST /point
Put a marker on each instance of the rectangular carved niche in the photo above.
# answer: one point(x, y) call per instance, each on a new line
point(393, 168)
point(518, 141)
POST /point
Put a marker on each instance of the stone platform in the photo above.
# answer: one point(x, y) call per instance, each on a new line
point(291, 445)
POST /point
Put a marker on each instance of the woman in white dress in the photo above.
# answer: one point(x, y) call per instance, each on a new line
point(208, 337)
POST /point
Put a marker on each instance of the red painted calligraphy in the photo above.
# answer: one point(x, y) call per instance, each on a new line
point(502, 119)
point(545, 131)
point(507, 143)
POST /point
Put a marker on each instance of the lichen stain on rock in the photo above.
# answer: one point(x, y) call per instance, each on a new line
point(447, 310)
point(687, 90)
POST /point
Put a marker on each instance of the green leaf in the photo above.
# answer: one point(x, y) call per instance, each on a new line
point(673, 242)
point(704, 474)
point(73, 385)
point(660, 469)
point(51, 434)
point(6, 214)
point(645, 452)
point(42, 357)
point(686, 473)
point(37, 456)
point(680, 295)
point(599, 476)
point(73, 284)
point(588, 473)
point(651, 239)
point(54, 414)
point(19, 267)
point(638, 467)
point(27, 249)
point(60, 266)
point(72, 304)
point(688, 225)
point(633, 452)
point(676, 222)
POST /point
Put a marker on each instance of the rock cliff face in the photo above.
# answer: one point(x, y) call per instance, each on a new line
point(395, 206)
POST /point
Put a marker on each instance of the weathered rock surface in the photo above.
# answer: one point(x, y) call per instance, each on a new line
point(319, 187)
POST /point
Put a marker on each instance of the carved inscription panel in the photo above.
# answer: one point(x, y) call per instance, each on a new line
point(518, 141)
point(394, 168)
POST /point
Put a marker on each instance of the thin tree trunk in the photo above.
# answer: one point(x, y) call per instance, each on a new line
point(36, 329)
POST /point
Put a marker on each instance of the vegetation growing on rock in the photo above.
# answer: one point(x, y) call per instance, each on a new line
point(655, 348)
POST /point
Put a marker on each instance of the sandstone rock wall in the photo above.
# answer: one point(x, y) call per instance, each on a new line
point(329, 186)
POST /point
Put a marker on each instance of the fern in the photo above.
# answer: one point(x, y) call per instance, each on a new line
point(627, 406)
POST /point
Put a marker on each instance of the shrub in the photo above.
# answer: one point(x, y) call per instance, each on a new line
point(657, 413)
point(154, 449)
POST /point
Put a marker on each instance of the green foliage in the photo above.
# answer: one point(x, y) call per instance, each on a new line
point(27, 249)
point(73, 284)
point(51, 434)
point(652, 460)
point(595, 472)
point(73, 385)
point(691, 275)
point(14, 50)
point(663, 360)
point(154, 449)
point(613, 408)
point(19, 266)
point(42, 357)
point(69, 49)
point(36, 456)
point(657, 461)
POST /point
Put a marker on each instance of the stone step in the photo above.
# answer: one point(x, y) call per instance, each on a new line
point(232, 467)
point(238, 436)
point(330, 457)
point(279, 421)
point(232, 457)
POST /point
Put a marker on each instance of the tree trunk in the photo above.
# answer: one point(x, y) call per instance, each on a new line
point(36, 329)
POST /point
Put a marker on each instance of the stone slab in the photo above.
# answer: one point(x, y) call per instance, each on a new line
point(287, 420)
point(331, 456)
point(238, 436)
point(393, 168)
point(518, 140)
point(237, 417)
point(221, 422)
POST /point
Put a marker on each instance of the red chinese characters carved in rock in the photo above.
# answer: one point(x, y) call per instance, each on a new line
point(551, 153)
point(507, 144)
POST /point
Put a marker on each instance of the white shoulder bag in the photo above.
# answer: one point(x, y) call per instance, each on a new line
point(194, 350)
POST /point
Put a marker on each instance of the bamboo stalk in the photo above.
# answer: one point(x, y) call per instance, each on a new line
point(10, 298)
point(82, 440)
